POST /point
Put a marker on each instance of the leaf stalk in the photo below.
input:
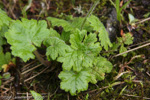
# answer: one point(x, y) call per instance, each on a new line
point(38, 56)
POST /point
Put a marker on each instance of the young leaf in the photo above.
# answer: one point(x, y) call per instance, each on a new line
point(77, 38)
point(74, 82)
point(4, 19)
point(120, 40)
point(103, 34)
point(25, 35)
point(73, 60)
point(128, 39)
point(131, 18)
point(123, 49)
point(36, 95)
point(84, 49)
point(56, 47)
point(125, 39)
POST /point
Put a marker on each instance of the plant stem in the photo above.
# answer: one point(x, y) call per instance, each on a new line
point(89, 13)
point(112, 3)
point(40, 58)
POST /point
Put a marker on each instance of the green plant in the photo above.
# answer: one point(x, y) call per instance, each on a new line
point(80, 57)
point(25, 36)
point(121, 43)
point(36, 95)
point(126, 39)
point(25, 8)
point(77, 47)
point(4, 22)
point(5, 58)
point(4, 19)
point(81, 60)
point(119, 9)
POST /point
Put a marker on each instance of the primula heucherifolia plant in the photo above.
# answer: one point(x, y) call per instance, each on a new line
point(78, 47)
point(79, 54)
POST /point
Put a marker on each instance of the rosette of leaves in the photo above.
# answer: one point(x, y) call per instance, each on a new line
point(83, 50)
point(81, 60)
point(25, 35)
point(81, 63)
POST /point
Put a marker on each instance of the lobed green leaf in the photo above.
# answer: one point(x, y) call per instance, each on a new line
point(128, 39)
point(84, 49)
point(101, 66)
point(60, 22)
point(55, 47)
point(123, 49)
point(103, 34)
point(74, 82)
point(54, 33)
point(25, 35)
